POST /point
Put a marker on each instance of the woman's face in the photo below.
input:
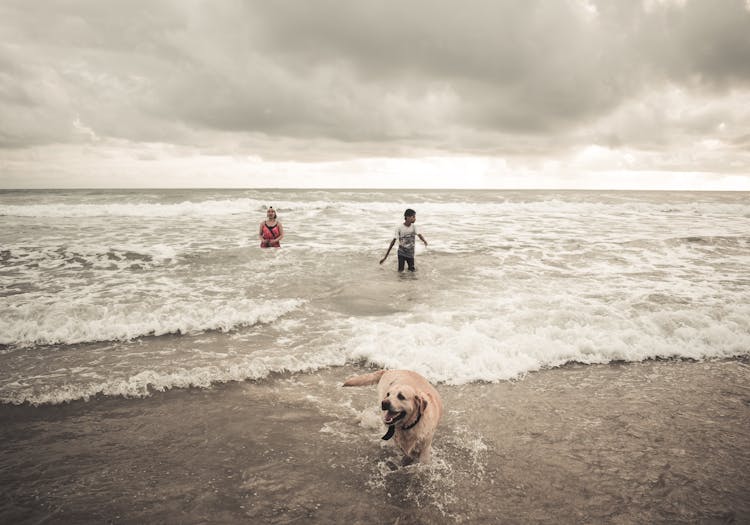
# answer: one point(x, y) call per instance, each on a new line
point(271, 214)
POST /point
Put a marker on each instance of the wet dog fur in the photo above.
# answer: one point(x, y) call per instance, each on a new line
point(411, 410)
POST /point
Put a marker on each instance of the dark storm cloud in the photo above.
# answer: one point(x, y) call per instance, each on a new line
point(512, 65)
point(451, 75)
point(706, 43)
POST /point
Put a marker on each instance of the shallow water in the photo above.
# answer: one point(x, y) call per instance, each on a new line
point(651, 442)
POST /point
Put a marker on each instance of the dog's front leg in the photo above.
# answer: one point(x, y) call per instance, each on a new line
point(425, 455)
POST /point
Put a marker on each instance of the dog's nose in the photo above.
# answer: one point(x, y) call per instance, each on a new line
point(385, 405)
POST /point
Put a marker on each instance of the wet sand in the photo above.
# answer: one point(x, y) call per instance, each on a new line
point(653, 442)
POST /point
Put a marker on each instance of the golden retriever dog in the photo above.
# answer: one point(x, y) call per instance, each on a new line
point(411, 410)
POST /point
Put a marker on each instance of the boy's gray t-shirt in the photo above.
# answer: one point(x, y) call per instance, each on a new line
point(407, 239)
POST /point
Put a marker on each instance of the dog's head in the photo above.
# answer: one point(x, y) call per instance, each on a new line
point(402, 405)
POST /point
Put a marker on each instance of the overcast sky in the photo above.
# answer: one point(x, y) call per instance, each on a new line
point(650, 94)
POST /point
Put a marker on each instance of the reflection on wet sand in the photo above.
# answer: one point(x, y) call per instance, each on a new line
point(659, 441)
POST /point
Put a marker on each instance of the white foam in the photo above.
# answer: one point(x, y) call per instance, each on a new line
point(118, 255)
point(143, 383)
point(66, 323)
point(506, 344)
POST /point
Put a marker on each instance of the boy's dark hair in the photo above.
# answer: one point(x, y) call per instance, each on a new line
point(409, 213)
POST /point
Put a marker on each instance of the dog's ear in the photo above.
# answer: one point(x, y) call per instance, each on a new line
point(421, 401)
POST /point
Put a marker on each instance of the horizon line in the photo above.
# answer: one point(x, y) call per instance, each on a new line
point(246, 188)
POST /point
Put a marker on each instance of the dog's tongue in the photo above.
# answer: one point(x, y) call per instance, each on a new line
point(389, 417)
point(389, 434)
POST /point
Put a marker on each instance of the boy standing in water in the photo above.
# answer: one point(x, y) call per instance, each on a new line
point(406, 234)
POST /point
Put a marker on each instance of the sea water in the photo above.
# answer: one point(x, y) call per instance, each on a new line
point(127, 292)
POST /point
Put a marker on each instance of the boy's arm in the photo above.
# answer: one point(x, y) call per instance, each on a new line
point(389, 251)
point(420, 236)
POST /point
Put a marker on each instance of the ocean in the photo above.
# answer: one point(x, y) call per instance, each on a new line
point(122, 293)
point(133, 298)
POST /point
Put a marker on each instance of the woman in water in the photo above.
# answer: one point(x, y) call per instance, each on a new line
point(271, 231)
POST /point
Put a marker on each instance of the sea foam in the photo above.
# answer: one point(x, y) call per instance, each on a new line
point(507, 347)
point(63, 323)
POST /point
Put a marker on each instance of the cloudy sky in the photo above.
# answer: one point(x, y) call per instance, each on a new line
point(651, 94)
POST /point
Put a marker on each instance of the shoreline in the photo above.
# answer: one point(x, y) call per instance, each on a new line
point(354, 368)
point(653, 441)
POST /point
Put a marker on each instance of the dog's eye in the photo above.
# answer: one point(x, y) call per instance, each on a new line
point(400, 396)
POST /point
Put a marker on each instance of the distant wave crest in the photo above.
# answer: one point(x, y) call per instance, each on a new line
point(245, 205)
point(187, 208)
